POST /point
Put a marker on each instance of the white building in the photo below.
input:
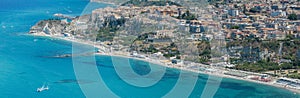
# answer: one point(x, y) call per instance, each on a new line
point(233, 12)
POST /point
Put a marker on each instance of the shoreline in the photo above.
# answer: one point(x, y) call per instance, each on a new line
point(158, 62)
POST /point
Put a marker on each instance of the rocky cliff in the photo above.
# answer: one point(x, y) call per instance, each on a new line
point(83, 27)
point(106, 22)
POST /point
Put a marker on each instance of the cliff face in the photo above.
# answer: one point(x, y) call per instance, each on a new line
point(49, 27)
point(80, 27)
point(108, 23)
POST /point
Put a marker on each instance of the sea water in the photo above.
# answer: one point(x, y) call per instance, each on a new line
point(28, 62)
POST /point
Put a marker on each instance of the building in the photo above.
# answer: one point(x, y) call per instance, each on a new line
point(233, 12)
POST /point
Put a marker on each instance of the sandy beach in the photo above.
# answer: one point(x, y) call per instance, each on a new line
point(219, 73)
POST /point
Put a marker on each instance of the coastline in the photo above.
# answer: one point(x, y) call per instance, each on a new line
point(160, 63)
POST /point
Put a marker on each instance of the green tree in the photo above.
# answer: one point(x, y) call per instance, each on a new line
point(254, 10)
point(292, 17)
point(187, 16)
point(235, 27)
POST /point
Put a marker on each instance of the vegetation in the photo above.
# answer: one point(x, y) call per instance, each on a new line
point(141, 44)
point(235, 27)
point(171, 51)
point(110, 26)
point(293, 17)
point(143, 37)
point(127, 40)
point(187, 16)
point(264, 65)
point(294, 75)
point(290, 51)
point(106, 34)
point(254, 10)
point(204, 51)
point(254, 42)
point(150, 49)
point(258, 67)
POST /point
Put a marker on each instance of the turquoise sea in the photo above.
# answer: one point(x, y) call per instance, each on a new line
point(26, 62)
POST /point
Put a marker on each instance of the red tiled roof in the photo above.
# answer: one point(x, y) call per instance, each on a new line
point(268, 29)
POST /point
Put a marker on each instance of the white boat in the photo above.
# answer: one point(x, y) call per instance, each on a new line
point(42, 88)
